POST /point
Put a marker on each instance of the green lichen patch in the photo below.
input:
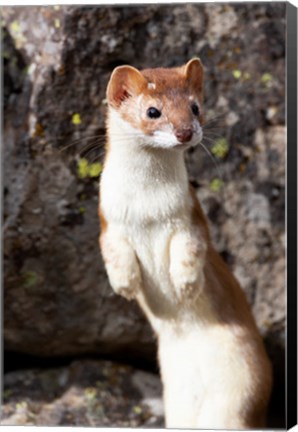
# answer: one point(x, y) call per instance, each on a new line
point(86, 169)
point(267, 81)
point(137, 409)
point(237, 73)
point(266, 78)
point(216, 184)
point(221, 148)
point(16, 33)
point(90, 393)
point(76, 119)
point(21, 405)
point(15, 28)
point(29, 279)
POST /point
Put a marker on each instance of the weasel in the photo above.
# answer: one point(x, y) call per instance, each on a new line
point(156, 247)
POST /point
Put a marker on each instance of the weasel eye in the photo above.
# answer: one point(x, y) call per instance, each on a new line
point(153, 113)
point(195, 109)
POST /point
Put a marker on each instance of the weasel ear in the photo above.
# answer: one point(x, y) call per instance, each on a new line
point(126, 81)
point(193, 71)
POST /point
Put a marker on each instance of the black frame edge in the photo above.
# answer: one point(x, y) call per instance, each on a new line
point(291, 381)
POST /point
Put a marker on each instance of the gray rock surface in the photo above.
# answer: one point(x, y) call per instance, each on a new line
point(57, 298)
point(85, 393)
point(57, 61)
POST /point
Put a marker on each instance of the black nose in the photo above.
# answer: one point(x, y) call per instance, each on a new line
point(184, 135)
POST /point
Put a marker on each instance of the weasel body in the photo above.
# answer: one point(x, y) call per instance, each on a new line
point(156, 248)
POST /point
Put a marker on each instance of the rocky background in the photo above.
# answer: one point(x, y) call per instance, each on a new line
point(58, 306)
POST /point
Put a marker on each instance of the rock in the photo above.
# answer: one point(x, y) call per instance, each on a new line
point(222, 20)
point(57, 297)
point(150, 389)
point(85, 393)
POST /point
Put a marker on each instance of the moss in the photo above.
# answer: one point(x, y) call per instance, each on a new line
point(83, 168)
point(90, 393)
point(16, 33)
point(221, 148)
point(237, 73)
point(216, 185)
point(266, 78)
point(95, 169)
point(88, 170)
point(76, 119)
point(29, 279)
point(15, 27)
point(137, 409)
point(21, 405)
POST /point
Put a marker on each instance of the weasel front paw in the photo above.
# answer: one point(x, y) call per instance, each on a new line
point(188, 280)
point(121, 264)
point(187, 261)
point(124, 284)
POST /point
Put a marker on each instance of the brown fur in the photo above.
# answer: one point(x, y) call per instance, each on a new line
point(120, 90)
point(232, 308)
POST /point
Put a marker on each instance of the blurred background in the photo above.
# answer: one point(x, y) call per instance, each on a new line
point(75, 353)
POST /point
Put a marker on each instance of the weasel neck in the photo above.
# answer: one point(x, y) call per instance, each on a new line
point(149, 166)
point(140, 182)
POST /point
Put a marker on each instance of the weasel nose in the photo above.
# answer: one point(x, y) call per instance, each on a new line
point(184, 135)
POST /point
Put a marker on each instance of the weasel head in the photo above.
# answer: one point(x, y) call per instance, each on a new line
point(159, 108)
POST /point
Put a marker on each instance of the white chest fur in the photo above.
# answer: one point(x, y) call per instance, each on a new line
point(140, 187)
point(145, 198)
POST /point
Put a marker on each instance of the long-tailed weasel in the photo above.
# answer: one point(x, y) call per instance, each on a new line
point(156, 248)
